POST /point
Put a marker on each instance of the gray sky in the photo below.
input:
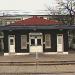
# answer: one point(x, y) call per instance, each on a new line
point(25, 4)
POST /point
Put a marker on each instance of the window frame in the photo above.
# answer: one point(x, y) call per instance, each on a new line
point(23, 37)
point(48, 39)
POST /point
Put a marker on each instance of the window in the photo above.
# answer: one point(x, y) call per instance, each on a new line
point(47, 41)
point(71, 39)
point(8, 23)
point(11, 42)
point(38, 41)
point(23, 41)
point(32, 42)
point(59, 39)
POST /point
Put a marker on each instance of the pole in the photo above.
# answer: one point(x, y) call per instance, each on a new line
point(36, 61)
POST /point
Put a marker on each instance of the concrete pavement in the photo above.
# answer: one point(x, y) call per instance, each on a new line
point(52, 69)
point(41, 57)
point(36, 68)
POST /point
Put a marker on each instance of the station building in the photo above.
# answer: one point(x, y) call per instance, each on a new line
point(36, 34)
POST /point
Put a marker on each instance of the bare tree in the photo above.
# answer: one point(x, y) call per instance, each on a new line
point(65, 7)
point(68, 7)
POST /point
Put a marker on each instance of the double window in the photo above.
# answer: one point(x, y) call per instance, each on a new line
point(47, 41)
point(23, 41)
point(36, 42)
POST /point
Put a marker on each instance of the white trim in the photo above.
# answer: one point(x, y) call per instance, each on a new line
point(9, 37)
point(55, 53)
point(65, 52)
point(7, 54)
point(50, 53)
point(35, 47)
point(61, 48)
point(35, 33)
point(22, 53)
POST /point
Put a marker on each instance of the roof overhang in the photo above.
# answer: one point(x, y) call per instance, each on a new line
point(14, 27)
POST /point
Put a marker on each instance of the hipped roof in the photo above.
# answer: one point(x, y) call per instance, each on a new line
point(36, 21)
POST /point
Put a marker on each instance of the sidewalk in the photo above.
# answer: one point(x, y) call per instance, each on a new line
point(36, 68)
point(41, 57)
point(52, 69)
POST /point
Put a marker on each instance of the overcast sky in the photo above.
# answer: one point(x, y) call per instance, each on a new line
point(26, 5)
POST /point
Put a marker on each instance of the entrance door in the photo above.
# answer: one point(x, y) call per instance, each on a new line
point(36, 44)
point(60, 43)
point(11, 43)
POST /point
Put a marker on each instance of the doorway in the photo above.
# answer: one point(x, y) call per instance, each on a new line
point(35, 42)
point(60, 43)
point(11, 42)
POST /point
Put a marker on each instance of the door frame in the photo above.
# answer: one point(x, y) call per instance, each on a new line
point(60, 42)
point(35, 34)
point(9, 37)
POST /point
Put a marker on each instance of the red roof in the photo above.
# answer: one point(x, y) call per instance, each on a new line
point(36, 21)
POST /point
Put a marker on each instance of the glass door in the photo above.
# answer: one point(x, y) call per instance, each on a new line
point(36, 44)
point(11, 43)
point(60, 43)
